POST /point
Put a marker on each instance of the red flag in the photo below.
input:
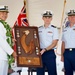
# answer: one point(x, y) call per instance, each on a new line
point(21, 20)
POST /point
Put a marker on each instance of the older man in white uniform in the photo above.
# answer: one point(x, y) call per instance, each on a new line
point(5, 48)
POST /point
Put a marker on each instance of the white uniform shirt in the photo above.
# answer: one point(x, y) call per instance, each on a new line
point(68, 37)
point(47, 35)
point(4, 46)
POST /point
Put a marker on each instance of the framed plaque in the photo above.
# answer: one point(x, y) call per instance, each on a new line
point(27, 47)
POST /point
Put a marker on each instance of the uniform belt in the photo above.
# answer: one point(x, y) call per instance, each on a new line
point(70, 49)
point(48, 50)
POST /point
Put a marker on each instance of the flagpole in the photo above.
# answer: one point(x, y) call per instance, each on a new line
point(24, 3)
point(26, 6)
point(61, 27)
point(63, 14)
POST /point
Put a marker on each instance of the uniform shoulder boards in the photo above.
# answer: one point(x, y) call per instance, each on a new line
point(53, 26)
point(40, 26)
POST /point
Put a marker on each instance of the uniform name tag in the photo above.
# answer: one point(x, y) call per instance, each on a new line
point(49, 32)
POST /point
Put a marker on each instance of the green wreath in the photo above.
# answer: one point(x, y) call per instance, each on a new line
point(9, 40)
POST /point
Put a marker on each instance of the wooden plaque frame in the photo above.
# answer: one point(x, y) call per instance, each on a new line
point(27, 47)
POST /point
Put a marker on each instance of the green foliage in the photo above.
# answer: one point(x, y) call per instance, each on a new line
point(9, 40)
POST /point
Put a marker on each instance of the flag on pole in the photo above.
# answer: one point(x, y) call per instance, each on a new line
point(22, 17)
point(21, 21)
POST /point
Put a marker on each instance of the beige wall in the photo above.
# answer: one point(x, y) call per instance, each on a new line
point(35, 8)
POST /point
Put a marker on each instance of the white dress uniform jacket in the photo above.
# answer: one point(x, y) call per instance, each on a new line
point(4, 50)
point(4, 46)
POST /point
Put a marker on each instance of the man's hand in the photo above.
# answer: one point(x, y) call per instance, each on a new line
point(14, 54)
point(14, 40)
point(10, 71)
point(42, 51)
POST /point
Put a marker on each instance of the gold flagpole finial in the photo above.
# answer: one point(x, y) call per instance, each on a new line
point(24, 2)
point(63, 12)
point(64, 1)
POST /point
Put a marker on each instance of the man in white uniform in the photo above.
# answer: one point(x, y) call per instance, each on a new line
point(5, 48)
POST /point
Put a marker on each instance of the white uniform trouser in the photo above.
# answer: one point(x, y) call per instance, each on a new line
point(3, 67)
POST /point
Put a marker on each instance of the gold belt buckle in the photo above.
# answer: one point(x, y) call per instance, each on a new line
point(70, 49)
